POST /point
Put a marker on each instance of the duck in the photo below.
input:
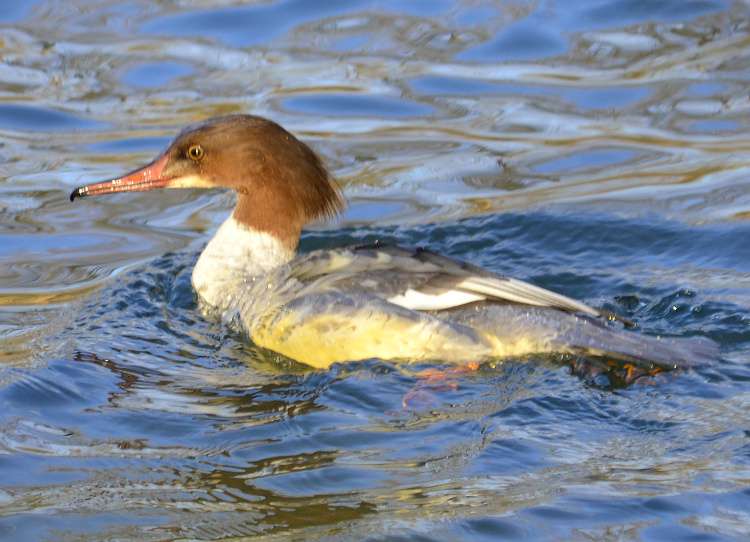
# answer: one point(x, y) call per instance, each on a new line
point(365, 301)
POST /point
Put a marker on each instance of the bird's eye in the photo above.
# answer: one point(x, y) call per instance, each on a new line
point(195, 152)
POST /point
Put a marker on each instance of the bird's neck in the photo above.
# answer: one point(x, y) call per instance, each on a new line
point(237, 253)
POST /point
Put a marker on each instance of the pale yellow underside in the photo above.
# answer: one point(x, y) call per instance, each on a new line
point(332, 338)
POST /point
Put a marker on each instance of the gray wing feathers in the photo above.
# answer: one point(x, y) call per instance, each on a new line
point(421, 280)
point(523, 292)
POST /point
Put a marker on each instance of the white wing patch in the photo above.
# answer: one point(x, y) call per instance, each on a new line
point(420, 301)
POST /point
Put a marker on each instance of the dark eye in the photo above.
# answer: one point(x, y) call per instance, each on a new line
point(195, 152)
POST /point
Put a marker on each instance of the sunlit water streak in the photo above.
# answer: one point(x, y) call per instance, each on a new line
point(598, 149)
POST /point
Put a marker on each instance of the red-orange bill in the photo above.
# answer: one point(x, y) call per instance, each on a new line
point(145, 178)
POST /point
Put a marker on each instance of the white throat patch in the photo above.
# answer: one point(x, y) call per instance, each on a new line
point(236, 254)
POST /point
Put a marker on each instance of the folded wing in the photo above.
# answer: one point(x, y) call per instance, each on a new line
point(422, 280)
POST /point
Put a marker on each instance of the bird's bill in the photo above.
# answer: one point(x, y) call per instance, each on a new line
point(145, 178)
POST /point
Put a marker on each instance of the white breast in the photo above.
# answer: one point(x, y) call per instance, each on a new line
point(235, 255)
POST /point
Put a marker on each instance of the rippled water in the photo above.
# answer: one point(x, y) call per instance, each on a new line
point(598, 148)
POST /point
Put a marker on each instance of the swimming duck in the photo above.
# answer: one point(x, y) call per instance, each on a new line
point(363, 301)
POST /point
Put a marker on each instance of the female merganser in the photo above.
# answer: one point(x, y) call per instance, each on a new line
point(361, 302)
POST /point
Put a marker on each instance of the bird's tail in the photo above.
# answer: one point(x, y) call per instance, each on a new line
point(547, 330)
point(647, 352)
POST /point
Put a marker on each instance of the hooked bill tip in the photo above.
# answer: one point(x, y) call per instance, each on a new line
point(78, 192)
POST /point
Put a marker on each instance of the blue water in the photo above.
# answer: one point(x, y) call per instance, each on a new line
point(594, 148)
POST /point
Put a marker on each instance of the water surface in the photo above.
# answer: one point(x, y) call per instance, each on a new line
point(597, 148)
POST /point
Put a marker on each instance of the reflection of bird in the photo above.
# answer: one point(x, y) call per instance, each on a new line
point(361, 302)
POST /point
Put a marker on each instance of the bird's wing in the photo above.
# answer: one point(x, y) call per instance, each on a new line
point(419, 279)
